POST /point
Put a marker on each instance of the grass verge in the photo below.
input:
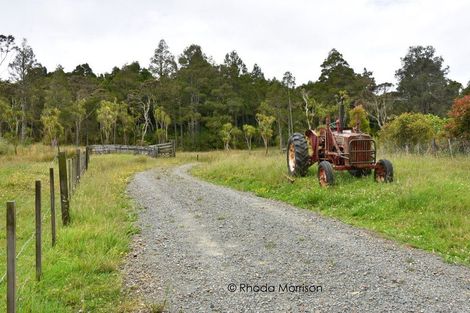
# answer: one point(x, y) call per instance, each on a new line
point(82, 271)
point(428, 205)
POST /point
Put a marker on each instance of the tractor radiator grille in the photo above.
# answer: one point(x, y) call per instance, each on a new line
point(361, 151)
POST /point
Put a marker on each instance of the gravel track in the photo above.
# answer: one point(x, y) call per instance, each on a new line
point(197, 238)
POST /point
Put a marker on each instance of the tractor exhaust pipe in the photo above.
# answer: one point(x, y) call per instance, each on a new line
point(341, 115)
point(340, 120)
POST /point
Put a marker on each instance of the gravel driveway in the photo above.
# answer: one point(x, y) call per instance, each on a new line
point(199, 240)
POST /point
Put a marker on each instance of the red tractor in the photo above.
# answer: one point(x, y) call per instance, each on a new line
point(335, 148)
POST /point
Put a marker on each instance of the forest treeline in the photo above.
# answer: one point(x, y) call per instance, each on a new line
point(204, 105)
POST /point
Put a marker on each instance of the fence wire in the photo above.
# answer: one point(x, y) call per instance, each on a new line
point(26, 243)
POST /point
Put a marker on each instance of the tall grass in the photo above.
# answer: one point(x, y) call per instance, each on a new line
point(82, 271)
point(427, 206)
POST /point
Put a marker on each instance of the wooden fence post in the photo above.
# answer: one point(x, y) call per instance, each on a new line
point(87, 157)
point(11, 257)
point(52, 189)
point(69, 177)
point(174, 148)
point(64, 192)
point(38, 230)
point(72, 175)
point(78, 166)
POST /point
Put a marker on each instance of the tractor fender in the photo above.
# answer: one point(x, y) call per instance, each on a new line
point(313, 138)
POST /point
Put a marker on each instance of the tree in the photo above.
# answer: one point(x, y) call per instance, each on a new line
point(274, 105)
point(58, 95)
point(7, 44)
point(197, 77)
point(422, 81)
point(265, 128)
point(257, 73)
point(410, 129)
point(127, 121)
point(107, 115)
point(226, 135)
point(162, 63)
point(52, 127)
point(379, 104)
point(359, 115)
point(83, 70)
point(336, 75)
point(234, 66)
point(5, 113)
point(163, 121)
point(249, 131)
point(459, 125)
point(143, 99)
point(78, 112)
point(312, 108)
point(289, 83)
point(23, 64)
point(466, 91)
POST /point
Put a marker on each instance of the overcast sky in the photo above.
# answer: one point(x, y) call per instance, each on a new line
point(280, 36)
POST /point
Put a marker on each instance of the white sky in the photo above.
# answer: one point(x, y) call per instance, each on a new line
point(280, 36)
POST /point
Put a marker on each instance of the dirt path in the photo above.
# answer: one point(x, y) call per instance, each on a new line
point(198, 240)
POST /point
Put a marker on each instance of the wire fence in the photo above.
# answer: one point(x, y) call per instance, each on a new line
point(69, 176)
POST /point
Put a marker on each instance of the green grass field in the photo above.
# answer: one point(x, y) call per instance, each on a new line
point(82, 270)
point(428, 205)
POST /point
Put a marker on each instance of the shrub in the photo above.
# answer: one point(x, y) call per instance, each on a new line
point(5, 147)
point(411, 129)
point(459, 123)
point(359, 114)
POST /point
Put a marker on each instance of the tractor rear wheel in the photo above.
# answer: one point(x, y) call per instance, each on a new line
point(298, 159)
point(383, 171)
point(325, 174)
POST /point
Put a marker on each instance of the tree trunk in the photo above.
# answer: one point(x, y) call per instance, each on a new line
point(291, 126)
point(77, 133)
point(176, 133)
point(279, 127)
point(181, 135)
point(23, 121)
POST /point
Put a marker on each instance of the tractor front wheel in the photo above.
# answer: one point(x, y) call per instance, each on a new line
point(383, 171)
point(325, 174)
point(297, 155)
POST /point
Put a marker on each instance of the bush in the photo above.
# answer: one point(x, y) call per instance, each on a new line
point(412, 129)
point(5, 147)
point(459, 124)
point(359, 114)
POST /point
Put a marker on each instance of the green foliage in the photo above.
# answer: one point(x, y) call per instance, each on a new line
point(107, 115)
point(265, 128)
point(52, 127)
point(459, 125)
point(423, 83)
point(410, 129)
point(337, 75)
point(162, 64)
point(249, 131)
point(5, 147)
point(163, 122)
point(199, 96)
point(359, 114)
point(227, 133)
